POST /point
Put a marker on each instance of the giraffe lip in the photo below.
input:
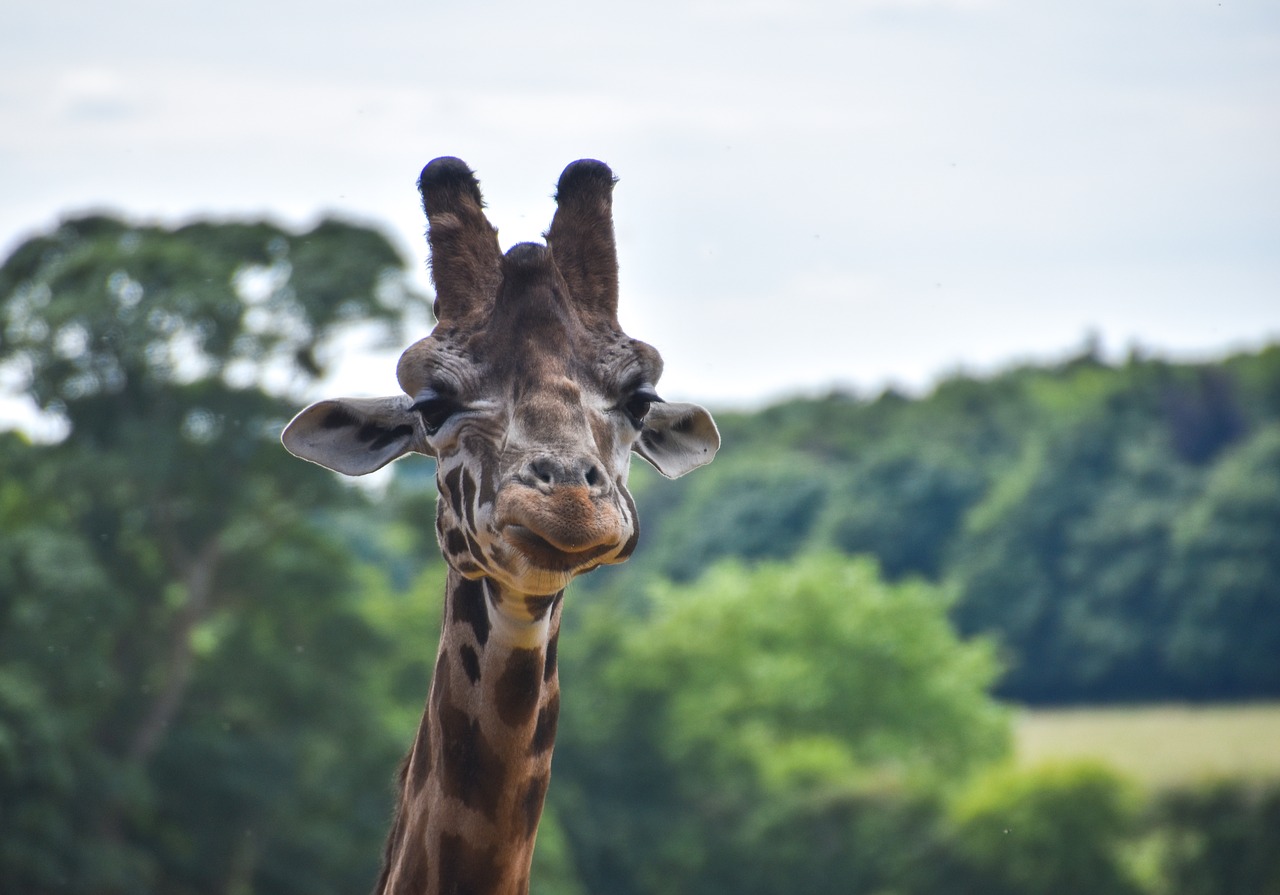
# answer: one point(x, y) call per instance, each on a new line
point(547, 555)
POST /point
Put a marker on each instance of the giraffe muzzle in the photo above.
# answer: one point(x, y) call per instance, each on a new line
point(560, 528)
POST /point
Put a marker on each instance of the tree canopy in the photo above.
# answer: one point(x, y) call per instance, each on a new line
point(1079, 512)
point(168, 600)
point(802, 687)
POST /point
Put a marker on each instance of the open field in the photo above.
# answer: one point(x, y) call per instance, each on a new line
point(1159, 746)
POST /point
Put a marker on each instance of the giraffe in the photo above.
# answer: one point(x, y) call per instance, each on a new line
point(531, 399)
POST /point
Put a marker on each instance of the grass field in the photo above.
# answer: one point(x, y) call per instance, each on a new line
point(1158, 746)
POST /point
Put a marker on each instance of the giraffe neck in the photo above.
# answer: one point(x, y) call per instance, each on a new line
point(472, 786)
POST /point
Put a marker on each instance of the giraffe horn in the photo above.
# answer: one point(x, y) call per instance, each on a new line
point(581, 237)
point(465, 258)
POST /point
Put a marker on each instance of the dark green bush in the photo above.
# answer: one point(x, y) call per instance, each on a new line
point(1056, 830)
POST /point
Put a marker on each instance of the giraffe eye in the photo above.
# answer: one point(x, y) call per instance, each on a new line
point(637, 406)
point(435, 409)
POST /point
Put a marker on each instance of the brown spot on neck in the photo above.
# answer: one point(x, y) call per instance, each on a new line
point(472, 770)
point(518, 690)
point(466, 869)
point(467, 606)
point(470, 662)
point(544, 731)
point(549, 663)
point(530, 805)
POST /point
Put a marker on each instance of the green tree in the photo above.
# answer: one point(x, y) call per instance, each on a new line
point(1219, 839)
point(903, 504)
point(1224, 577)
point(1055, 830)
point(183, 655)
point(1082, 512)
point(807, 695)
point(749, 508)
point(1064, 558)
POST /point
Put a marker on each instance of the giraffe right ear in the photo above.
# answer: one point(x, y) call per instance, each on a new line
point(678, 438)
point(355, 436)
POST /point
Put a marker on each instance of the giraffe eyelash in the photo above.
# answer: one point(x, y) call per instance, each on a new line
point(435, 409)
point(638, 403)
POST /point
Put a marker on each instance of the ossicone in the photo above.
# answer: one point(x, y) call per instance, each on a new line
point(585, 178)
point(445, 182)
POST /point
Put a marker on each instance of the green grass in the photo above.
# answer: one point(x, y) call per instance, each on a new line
point(1159, 746)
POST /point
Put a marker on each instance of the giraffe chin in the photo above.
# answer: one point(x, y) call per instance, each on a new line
point(516, 573)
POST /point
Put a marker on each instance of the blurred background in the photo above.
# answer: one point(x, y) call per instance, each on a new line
point(982, 594)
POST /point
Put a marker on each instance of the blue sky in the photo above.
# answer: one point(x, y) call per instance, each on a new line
point(812, 193)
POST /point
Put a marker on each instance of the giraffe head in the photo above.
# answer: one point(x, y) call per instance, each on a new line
point(528, 393)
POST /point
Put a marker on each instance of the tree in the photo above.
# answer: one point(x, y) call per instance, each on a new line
point(1082, 512)
point(749, 508)
point(1218, 838)
point(903, 504)
point(1064, 557)
point(1052, 831)
point(1223, 579)
point(809, 695)
point(183, 656)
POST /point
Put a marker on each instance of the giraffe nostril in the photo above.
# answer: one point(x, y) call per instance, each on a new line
point(543, 470)
point(554, 471)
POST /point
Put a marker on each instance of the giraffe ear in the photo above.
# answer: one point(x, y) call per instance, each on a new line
point(355, 436)
point(678, 438)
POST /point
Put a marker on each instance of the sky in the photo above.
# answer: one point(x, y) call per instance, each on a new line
point(813, 194)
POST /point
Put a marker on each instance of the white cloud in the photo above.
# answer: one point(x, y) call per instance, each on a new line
point(93, 95)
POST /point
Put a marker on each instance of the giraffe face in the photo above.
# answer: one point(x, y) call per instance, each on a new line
point(532, 419)
point(528, 394)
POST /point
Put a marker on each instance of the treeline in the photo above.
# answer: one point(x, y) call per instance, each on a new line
point(1115, 528)
point(212, 655)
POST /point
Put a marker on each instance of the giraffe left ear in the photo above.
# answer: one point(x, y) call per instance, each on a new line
point(678, 438)
point(355, 436)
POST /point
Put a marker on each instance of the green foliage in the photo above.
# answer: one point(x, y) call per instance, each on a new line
point(184, 660)
point(553, 872)
point(823, 672)
point(212, 654)
point(759, 509)
point(100, 314)
point(904, 507)
point(1225, 572)
point(1084, 514)
point(1065, 561)
point(1219, 839)
point(841, 694)
point(1051, 831)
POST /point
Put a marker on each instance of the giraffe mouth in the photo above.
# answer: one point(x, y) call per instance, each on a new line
point(563, 530)
point(546, 555)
